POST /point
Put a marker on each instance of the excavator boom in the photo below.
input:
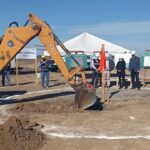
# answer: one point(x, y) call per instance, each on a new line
point(15, 38)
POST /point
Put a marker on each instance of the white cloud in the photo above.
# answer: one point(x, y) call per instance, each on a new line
point(114, 28)
point(132, 35)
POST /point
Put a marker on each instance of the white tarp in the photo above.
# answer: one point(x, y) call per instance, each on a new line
point(27, 53)
point(88, 43)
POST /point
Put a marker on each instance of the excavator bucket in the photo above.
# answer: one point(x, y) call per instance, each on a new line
point(85, 96)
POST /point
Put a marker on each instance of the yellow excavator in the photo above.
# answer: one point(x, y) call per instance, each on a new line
point(14, 40)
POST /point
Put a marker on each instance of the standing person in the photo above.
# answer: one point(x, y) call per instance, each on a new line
point(3, 78)
point(107, 70)
point(45, 67)
point(95, 71)
point(134, 68)
point(6, 75)
point(121, 66)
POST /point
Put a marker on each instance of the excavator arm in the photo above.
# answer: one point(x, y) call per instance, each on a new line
point(15, 38)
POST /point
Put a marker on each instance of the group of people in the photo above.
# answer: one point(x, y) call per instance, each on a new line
point(134, 68)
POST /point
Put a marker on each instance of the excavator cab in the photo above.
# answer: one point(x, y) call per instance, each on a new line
point(15, 38)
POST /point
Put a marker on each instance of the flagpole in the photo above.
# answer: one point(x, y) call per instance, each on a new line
point(103, 77)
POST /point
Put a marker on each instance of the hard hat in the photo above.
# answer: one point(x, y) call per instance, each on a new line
point(133, 52)
point(43, 56)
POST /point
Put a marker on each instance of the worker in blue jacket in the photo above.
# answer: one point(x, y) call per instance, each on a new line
point(134, 68)
point(45, 68)
point(6, 75)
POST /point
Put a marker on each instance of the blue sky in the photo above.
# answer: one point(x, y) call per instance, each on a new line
point(123, 22)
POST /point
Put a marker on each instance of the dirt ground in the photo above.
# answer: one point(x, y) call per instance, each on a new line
point(123, 124)
point(17, 134)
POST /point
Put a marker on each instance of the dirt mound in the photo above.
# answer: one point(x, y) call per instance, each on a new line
point(46, 107)
point(20, 134)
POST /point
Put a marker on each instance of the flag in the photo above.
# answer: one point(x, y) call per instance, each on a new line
point(102, 59)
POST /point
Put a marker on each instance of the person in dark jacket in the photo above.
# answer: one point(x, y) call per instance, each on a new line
point(95, 71)
point(3, 78)
point(6, 75)
point(121, 66)
point(45, 67)
point(134, 68)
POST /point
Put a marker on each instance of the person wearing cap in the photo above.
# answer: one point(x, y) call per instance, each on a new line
point(45, 67)
point(120, 67)
point(134, 68)
point(95, 71)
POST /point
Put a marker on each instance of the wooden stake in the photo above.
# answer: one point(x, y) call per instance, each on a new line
point(36, 72)
point(103, 86)
point(102, 69)
point(143, 78)
point(17, 72)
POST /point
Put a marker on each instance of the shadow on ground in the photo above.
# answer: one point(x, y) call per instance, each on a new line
point(4, 94)
point(97, 105)
point(35, 98)
point(113, 93)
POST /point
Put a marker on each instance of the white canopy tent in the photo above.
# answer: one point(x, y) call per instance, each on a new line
point(88, 43)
